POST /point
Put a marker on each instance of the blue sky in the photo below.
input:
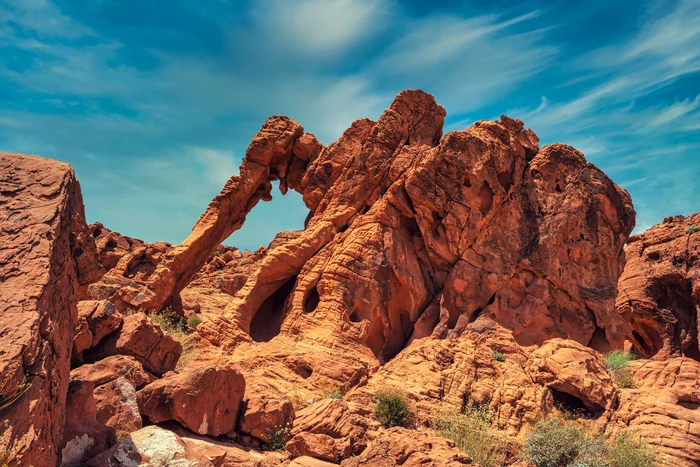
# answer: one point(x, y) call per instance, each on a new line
point(154, 103)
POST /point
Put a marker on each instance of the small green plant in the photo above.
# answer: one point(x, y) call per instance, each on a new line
point(618, 360)
point(216, 254)
point(624, 380)
point(692, 229)
point(392, 409)
point(556, 443)
point(498, 356)
point(470, 431)
point(277, 440)
point(334, 395)
point(625, 451)
point(194, 321)
point(7, 400)
point(552, 443)
point(169, 321)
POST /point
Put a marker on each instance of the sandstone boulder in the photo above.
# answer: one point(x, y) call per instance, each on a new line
point(46, 254)
point(116, 406)
point(318, 446)
point(83, 436)
point(408, 448)
point(96, 319)
point(207, 400)
point(144, 340)
point(111, 368)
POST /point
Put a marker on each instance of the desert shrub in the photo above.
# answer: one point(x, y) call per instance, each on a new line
point(556, 443)
point(498, 356)
point(552, 443)
point(334, 395)
point(169, 321)
point(618, 360)
point(625, 451)
point(470, 431)
point(278, 439)
point(624, 380)
point(392, 409)
point(692, 229)
point(216, 254)
point(193, 321)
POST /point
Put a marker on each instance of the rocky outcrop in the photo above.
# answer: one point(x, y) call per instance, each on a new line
point(45, 256)
point(662, 409)
point(471, 269)
point(142, 339)
point(207, 400)
point(659, 291)
point(401, 447)
point(83, 436)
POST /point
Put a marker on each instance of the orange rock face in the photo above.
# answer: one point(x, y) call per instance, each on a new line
point(659, 292)
point(206, 400)
point(45, 256)
point(467, 269)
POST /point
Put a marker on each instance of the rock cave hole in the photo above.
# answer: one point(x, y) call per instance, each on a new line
point(312, 300)
point(674, 292)
point(572, 405)
point(268, 319)
point(485, 198)
point(506, 179)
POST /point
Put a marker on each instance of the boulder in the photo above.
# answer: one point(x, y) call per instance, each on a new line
point(96, 319)
point(46, 256)
point(409, 448)
point(111, 368)
point(116, 406)
point(144, 340)
point(83, 436)
point(207, 400)
point(318, 446)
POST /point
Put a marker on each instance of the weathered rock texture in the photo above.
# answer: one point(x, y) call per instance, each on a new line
point(45, 255)
point(468, 268)
point(659, 292)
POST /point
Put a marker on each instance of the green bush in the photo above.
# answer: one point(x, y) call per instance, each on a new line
point(555, 443)
point(625, 451)
point(552, 443)
point(169, 321)
point(624, 380)
point(692, 229)
point(334, 395)
point(618, 360)
point(194, 321)
point(278, 439)
point(392, 409)
point(469, 430)
point(498, 356)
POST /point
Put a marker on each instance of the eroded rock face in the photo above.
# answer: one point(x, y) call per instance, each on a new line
point(659, 291)
point(207, 400)
point(140, 338)
point(45, 256)
point(83, 436)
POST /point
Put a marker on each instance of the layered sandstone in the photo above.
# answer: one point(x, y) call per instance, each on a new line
point(659, 292)
point(471, 268)
point(45, 255)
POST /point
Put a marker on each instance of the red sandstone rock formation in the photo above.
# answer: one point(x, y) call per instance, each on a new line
point(45, 255)
point(423, 256)
point(659, 292)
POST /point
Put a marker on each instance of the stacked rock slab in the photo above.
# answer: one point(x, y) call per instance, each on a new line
point(44, 257)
